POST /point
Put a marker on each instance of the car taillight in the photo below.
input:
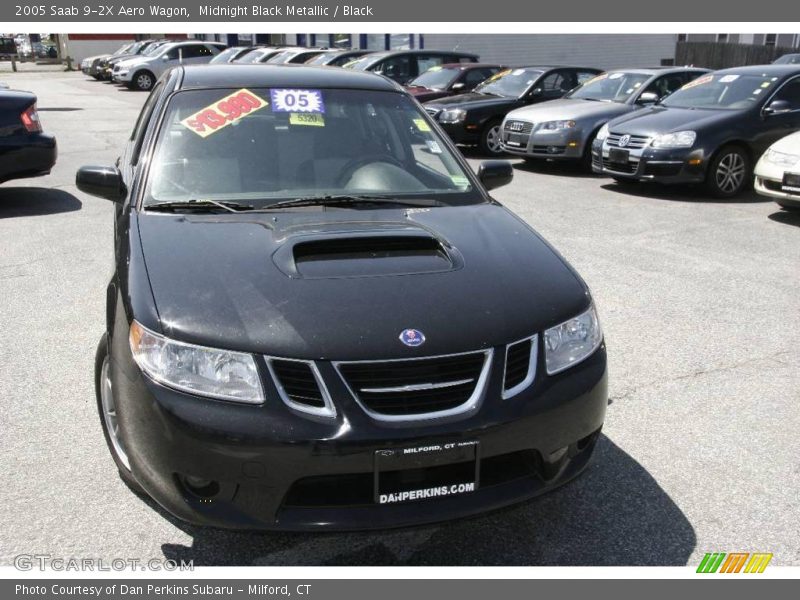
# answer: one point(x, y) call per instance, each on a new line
point(30, 119)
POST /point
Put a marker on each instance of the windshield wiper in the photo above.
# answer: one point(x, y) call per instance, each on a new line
point(200, 204)
point(347, 200)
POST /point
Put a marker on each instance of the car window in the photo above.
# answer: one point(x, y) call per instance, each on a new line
point(144, 120)
point(171, 54)
point(614, 86)
point(558, 82)
point(435, 78)
point(666, 84)
point(510, 83)
point(475, 76)
point(584, 76)
point(426, 61)
point(196, 50)
point(249, 145)
point(790, 93)
point(396, 67)
point(725, 91)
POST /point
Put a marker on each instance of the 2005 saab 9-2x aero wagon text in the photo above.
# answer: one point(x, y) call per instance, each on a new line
point(320, 319)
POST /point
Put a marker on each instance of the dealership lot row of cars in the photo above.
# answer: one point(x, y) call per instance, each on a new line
point(663, 124)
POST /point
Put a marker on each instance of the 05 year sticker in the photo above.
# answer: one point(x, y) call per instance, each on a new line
point(297, 101)
point(224, 112)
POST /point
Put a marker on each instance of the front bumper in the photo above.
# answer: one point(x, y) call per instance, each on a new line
point(278, 470)
point(467, 134)
point(769, 182)
point(663, 165)
point(559, 144)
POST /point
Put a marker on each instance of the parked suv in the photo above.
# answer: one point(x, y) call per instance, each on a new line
point(475, 118)
point(142, 73)
point(404, 65)
point(564, 129)
point(712, 130)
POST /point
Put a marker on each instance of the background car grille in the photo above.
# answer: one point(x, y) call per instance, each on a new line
point(298, 382)
point(636, 141)
point(518, 126)
point(518, 362)
point(414, 387)
point(629, 167)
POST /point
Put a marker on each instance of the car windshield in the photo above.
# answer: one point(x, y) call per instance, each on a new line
point(727, 91)
point(261, 146)
point(616, 86)
point(321, 59)
point(282, 57)
point(225, 55)
point(511, 83)
point(436, 78)
point(254, 55)
point(151, 49)
point(365, 62)
point(788, 59)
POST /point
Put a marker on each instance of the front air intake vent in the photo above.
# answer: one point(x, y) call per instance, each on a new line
point(300, 386)
point(520, 368)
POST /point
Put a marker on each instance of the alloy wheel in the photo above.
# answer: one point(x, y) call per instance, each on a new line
point(144, 81)
point(110, 413)
point(493, 140)
point(730, 173)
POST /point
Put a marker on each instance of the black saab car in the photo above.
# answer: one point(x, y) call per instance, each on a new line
point(303, 334)
point(24, 150)
point(475, 118)
point(713, 130)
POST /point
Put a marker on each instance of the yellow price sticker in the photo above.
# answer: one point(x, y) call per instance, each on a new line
point(422, 125)
point(310, 119)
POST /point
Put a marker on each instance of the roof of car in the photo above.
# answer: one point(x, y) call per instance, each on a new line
point(283, 75)
point(464, 66)
point(385, 53)
point(774, 70)
point(657, 70)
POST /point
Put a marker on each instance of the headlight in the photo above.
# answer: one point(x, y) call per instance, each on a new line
point(679, 139)
point(453, 115)
point(198, 370)
point(603, 133)
point(782, 159)
point(557, 125)
point(568, 344)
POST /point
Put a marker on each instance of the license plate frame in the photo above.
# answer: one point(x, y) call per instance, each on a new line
point(390, 463)
point(518, 140)
point(618, 156)
point(790, 182)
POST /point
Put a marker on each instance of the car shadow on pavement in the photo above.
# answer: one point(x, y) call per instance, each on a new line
point(615, 513)
point(35, 201)
point(787, 217)
point(680, 193)
point(556, 167)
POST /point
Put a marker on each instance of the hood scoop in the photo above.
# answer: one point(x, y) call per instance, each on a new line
point(366, 254)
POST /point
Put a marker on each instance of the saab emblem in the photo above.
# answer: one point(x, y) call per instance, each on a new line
point(412, 337)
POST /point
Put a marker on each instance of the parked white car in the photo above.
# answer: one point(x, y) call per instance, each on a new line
point(141, 72)
point(778, 172)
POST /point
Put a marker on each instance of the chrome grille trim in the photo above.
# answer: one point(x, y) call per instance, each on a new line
point(466, 408)
point(525, 383)
point(328, 411)
point(517, 126)
point(637, 142)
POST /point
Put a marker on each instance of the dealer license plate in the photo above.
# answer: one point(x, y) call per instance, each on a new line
point(618, 157)
point(426, 472)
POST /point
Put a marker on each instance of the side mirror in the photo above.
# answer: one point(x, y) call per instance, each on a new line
point(457, 86)
point(495, 173)
point(103, 182)
point(648, 98)
point(777, 107)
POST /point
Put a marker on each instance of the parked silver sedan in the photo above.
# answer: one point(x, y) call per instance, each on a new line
point(565, 128)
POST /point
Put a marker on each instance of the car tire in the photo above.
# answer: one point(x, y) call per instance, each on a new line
point(143, 81)
point(729, 172)
point(105, 401)
point(490, 138)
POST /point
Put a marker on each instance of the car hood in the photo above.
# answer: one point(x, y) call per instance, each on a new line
point(472, 100)
point(653, 121)
point(569, 109)
point(789, 144)
point(307, 284)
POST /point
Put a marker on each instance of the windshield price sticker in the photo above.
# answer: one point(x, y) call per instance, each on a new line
point(698, 81)
point(295, 101)
point(422, 125)
point(224, 112)
point(728, 78)
point(309, 119)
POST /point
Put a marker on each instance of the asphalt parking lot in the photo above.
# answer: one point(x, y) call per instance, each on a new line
point(699, 300)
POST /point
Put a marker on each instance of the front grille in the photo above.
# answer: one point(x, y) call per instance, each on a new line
point(518, 126)
point(635, 141)
point(518, 364)
point(417, 387)
point(629, 167)
point(300, 387)
point(663, 169)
